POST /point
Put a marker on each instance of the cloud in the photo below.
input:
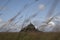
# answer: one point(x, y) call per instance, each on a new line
point(1, 20)
point(51, 23)
point(41, 6)
point(57, 18)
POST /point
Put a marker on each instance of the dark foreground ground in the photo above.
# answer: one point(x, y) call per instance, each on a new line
point(30, 36)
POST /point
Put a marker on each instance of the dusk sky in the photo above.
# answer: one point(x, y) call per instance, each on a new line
point(12, 7)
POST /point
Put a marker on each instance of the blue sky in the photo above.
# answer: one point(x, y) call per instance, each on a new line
point(14, 6)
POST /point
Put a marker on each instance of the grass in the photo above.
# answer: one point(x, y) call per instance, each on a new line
point(30, 36)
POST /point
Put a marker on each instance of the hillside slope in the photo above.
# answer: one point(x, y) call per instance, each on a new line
point(30, 36)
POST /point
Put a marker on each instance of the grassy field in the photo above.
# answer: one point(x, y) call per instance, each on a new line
point(30, 36)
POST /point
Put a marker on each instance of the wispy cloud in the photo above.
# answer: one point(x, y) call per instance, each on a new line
point(1, 20)
point(41, 6)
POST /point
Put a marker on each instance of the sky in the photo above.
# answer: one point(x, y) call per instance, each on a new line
point(41, 8)
point(14, 6)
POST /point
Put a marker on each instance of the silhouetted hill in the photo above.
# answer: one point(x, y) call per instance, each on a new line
point(29, 28)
